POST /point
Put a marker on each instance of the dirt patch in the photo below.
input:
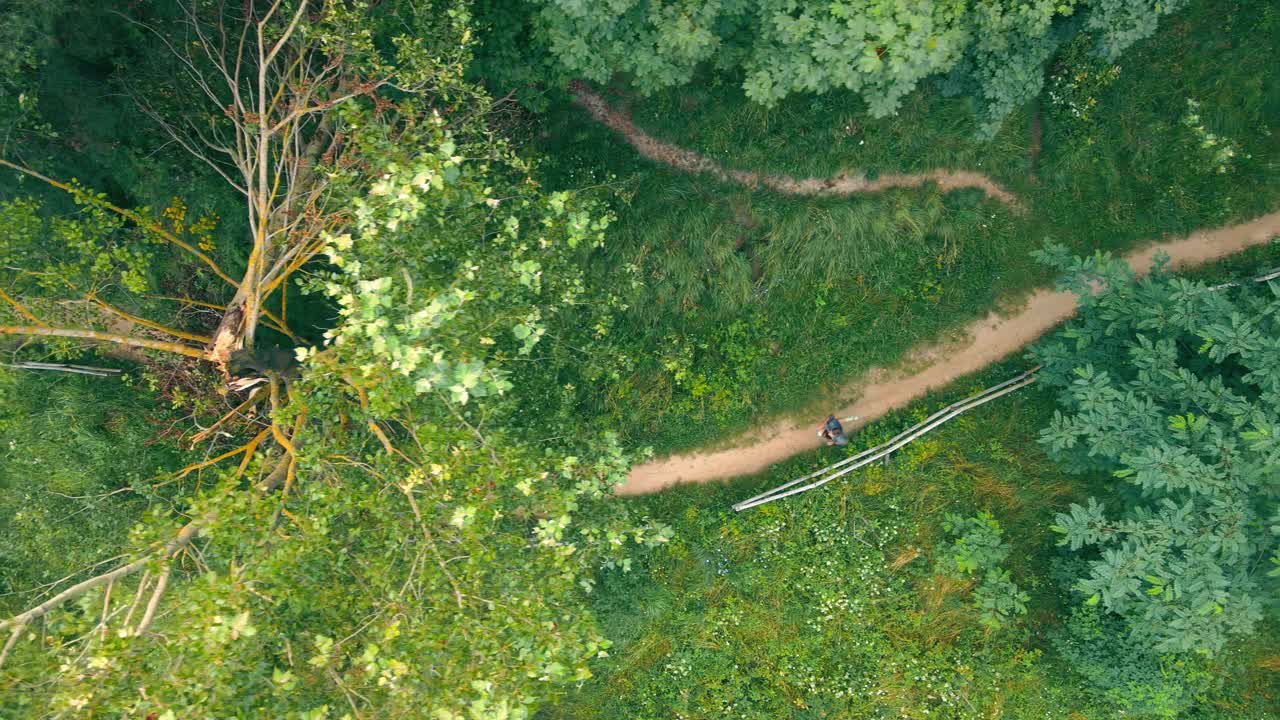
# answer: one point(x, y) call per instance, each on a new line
point(930, 367)
point(848, 183)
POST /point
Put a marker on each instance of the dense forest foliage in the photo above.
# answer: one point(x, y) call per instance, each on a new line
point(331, 327)
point(994, 53)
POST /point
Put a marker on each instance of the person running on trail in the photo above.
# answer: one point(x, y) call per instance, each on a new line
point(832, 431)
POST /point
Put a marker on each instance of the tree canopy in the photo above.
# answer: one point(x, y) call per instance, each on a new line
point(364, 533)
point(994, 52)
point(1169, 386)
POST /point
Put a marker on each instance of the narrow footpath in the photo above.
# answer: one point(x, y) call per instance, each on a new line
point(930, 367)
point(843, 184)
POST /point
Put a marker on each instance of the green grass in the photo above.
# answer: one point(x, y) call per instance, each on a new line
point(755, 305)
point(830, 605)
point(67, 443)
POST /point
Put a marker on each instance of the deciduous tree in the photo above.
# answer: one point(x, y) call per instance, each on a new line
point(880, 49)
point(1171, 387)
point(376, 541)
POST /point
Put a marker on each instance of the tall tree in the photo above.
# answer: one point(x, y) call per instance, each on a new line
point(1171, 386)
point(366, 538)
point(257, 97)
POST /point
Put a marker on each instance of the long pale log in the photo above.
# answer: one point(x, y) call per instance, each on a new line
point(59, 367)
point(96, 336)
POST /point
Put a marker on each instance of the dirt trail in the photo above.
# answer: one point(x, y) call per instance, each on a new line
point(836, 185)
point(927, 368)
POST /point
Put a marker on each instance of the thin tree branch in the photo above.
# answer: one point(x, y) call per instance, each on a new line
point(203, 340)
point(13, 640)
point(253, 399)
point(180, 540)
point(135, 217)
point(190, 147)
point(293, 25)
point(137, 597)
point(247, 449)
point(189, 301)
point(149, 614)
point(106, 606)
point(22, 310)
point(320, 107)
point(431, 544)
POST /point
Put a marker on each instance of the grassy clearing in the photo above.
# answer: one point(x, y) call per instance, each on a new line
point(754, 304)
point(67, 442)
point(830, 604)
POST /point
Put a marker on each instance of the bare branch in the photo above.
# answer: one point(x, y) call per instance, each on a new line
point(180, 540)
point(13, 640)
point(204, 340)
point(106, 607)
point(154, 602)
point(190, 147)
point(247, 449)
point(320, 107)
point(288, 33)
point(137, 597)
point(253, 399)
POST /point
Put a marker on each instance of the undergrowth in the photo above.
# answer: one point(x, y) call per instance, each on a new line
point(70, 445)
point(750, 304)
point(835, 603)
point(831, 604)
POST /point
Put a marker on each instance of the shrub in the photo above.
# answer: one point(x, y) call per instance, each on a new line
point(1076, 82)
point(1212, 152)
point(977, 549)
point(978, 545)
point(999, 598)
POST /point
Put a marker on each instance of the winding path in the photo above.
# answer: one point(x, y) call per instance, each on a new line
point(836, 185)
point(924, 368)
point(930, 367)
